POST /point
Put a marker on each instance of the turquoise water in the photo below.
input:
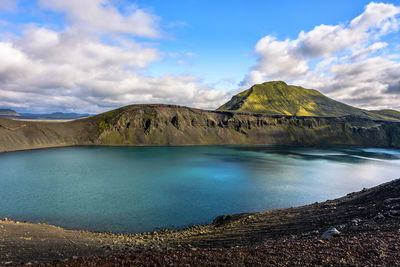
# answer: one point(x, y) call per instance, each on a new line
point(135, 189)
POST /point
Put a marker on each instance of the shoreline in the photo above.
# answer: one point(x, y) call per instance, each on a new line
point(198, 145)
point(373, 211)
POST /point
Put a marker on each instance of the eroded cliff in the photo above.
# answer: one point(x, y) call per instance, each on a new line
point(175, 125)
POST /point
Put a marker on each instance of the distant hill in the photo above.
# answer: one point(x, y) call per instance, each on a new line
point(8, 113)
point(278, 98)
point(54, 116)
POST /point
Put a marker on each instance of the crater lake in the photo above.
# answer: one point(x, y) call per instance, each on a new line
point(136, 189)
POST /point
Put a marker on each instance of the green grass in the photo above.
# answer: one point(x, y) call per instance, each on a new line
point(389, 114)
point(278, 98)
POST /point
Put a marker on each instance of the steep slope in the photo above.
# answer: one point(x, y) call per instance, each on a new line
point(278, 98)
point(21, 135)
point(388, 114)
point(174, 125)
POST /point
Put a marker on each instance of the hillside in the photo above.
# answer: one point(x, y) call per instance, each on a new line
point(176, 125)
point(8, 113)
point(389, 114)
point(278, 98)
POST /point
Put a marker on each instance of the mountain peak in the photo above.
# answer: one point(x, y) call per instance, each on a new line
point(279, 98)
point(276, 83)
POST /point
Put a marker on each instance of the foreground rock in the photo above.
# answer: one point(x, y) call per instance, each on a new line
point(369, 235)
point(331, 232)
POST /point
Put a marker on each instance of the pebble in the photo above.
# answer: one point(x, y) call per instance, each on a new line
point(391, 200)
point(395, 207)
point(353, 222)
point(341, 227)
point(379, 217)
point(331, 232)
point(395, 212)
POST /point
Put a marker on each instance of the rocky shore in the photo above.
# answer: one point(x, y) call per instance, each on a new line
point(360, 229)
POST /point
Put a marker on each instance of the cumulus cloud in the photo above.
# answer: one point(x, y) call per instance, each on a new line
point(101, 16)
point(277, 59)
point(340, 60)
point(74, 69)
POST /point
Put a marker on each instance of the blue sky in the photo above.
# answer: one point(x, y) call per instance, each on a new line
point(222, 33)
point(62, 56)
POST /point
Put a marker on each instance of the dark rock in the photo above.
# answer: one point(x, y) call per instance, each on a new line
point(395, 207)
point(394, 212)
point(391, 200)
point(379, 217)
point(353, 222)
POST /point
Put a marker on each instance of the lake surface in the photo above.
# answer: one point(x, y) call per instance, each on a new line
point(135, 189)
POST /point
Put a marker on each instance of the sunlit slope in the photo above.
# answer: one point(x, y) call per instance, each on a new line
point(278, 98)
point(388, 114)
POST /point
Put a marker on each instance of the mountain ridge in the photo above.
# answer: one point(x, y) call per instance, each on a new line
point(9, 113)
point(168, 125)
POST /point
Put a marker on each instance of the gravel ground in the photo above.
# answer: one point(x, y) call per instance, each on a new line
point(361, 248)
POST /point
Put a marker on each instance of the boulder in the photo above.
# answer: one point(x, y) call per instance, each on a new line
point(331, 232)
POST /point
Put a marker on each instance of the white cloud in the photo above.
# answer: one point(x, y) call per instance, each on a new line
point(8, 5)
point(47, 70)
point(364, 52)
point(101, 16)
point(340, 60)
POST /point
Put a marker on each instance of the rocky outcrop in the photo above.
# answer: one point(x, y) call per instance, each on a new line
point(172, 125)
point(175, 125)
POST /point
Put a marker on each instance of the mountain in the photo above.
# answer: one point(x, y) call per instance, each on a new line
point(278, 98)
point(8, 113)
point(177, 125)
point(53, 116)
point(271, 113)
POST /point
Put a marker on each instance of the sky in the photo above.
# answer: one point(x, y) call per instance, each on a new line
point(96, 55)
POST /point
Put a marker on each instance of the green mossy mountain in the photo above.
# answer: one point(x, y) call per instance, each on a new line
point(278, 98)
point(272, 113)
